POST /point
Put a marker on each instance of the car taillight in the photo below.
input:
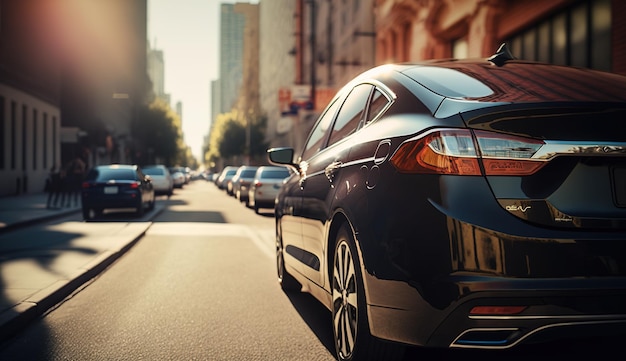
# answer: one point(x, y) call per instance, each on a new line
point(508, 155)
point(86, 185)
point(453, 151)
point(134, 185)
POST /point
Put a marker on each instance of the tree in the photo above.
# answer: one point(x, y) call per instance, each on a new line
point(157, 134)
point(227, 139)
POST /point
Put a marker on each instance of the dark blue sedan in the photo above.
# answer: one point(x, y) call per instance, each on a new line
point(116, 187)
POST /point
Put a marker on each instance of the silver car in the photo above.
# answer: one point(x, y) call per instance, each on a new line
point(265, 186)
point(161, 179)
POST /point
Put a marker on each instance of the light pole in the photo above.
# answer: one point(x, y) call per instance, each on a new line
point(313, 46)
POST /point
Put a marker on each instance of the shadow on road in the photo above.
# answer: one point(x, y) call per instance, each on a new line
point(316, 316)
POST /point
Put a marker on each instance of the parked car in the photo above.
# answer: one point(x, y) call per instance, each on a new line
point(161, 179)
point(225, 175)
point(179, 179)
point(265, 185)
point(116, 187)
point(240, 183)
point(185, 171)
point(461, 203)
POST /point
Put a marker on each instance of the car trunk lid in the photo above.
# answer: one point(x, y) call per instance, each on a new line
point(582, 179)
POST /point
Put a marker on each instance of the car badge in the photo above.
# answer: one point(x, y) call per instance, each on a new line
point(513, 208)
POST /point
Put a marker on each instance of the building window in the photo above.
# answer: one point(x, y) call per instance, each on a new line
point(24, 122)
point(45, 140)
point(460, 49)
point(407, 36)
point(35, 139)
point(577, 36)
point(2, 125)
point(12, 132)
point(54, 140)
point(601, 35)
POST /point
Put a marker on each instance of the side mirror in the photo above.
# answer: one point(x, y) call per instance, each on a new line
point(282, 156)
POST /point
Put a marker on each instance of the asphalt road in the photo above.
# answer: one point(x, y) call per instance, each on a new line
point(201, 285)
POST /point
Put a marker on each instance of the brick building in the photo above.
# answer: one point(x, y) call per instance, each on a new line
point(568, 32)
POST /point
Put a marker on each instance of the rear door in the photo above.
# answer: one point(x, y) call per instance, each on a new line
point(321, 181)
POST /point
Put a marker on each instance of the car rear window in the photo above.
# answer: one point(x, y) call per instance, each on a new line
point(104, 175)
point(248, 173)
point(275, 174)
point(154, 171)
point(449, 82)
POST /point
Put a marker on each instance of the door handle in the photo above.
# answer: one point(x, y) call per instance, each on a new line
point(331, 169)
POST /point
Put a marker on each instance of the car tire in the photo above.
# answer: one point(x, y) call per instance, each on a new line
point(352, 337)
point(287, 282)
point(87, 214)
point(152, 203)
point(90, 214)
point(140, 209)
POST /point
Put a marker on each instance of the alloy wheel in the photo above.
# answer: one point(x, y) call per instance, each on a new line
point(345, 301)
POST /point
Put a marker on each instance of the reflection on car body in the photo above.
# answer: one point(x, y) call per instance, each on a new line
point(464, 203)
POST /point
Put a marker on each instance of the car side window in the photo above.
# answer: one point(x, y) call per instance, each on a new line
point(318, 135)
point(377, 105)
point(351, 113)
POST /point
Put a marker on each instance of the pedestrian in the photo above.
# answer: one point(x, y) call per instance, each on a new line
point(54, 187)
point(74, 179)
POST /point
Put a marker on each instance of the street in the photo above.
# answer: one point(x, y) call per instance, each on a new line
point(201, 285)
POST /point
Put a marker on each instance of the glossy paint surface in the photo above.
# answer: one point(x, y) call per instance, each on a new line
point(432, 245)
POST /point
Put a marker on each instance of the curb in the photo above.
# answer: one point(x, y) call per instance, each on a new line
point(30, 222)
point(20, 316)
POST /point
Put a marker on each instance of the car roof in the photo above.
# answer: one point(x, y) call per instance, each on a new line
point(515, 81)
point(271, 167)
point(117, 166)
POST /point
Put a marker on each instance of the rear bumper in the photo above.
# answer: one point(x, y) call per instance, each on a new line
point(102, 202)
point(577, 309)
point(426, 269)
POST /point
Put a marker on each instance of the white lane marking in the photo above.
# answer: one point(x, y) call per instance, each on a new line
point(263, 238)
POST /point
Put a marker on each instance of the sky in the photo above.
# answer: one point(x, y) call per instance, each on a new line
point(187, 31)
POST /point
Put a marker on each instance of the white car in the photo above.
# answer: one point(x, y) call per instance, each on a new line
point(179, 179)
point(161, 179)
point(265, 186)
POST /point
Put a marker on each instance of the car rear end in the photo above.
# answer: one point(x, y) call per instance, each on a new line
point(516, 230)
point(243, 184)
point(107, 188)
point(266, 185)
point(161, 179)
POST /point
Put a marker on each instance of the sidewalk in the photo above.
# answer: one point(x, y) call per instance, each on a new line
point(41, 268)
point(26, 209)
